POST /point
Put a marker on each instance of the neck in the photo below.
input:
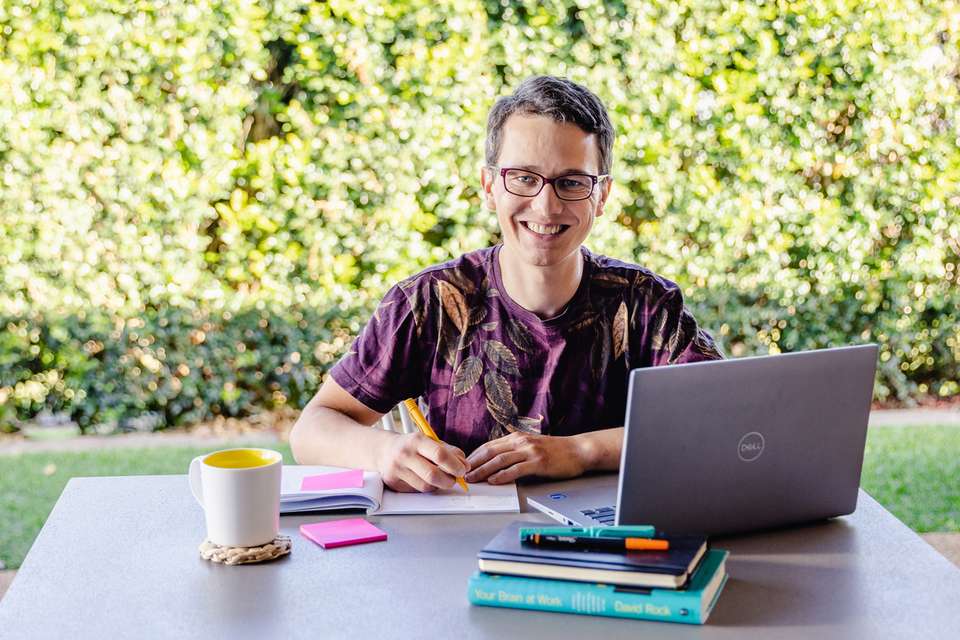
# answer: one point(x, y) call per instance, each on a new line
point(544, 291)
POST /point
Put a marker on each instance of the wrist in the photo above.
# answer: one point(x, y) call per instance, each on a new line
point(586, 451)
point(382, 454)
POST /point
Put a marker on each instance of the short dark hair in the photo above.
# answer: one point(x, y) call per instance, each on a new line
point(556, 98)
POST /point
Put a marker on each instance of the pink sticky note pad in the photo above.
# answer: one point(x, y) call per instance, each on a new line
point(339, 480)
point(340, 533)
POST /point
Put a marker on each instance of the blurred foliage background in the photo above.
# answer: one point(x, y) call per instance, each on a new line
point(200, 201)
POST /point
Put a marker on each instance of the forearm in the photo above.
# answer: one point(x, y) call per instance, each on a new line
point(600, 450)
point(326, 436)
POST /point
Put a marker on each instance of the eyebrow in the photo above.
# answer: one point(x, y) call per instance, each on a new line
point(533, 167)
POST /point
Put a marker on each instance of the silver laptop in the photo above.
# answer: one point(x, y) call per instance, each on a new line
point(735, 445)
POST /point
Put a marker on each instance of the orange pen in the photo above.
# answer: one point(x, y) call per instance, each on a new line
point(597, 544)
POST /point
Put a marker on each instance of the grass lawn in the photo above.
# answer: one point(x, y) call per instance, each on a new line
point(30, 484)
point(915, 473)
point(912, 471)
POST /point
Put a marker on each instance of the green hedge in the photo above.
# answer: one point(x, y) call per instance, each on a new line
point(168, 367)
point(170, 164)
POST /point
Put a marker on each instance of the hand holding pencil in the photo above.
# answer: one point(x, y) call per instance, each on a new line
point(418, 419)
point(418, 462)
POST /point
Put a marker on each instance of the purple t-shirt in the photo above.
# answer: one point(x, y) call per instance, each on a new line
point(485, 366)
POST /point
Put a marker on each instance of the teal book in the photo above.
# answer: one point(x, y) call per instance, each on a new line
point(691, 605)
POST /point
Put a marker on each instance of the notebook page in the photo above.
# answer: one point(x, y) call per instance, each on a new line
point(293, 498)
point(483, 498)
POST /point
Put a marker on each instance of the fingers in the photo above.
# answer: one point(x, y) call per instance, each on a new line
point(449, 459)
point(398, 485)
point(495, 464)
point(514, 472)
point(428, 476)
point(485, 452)
point(404, 468)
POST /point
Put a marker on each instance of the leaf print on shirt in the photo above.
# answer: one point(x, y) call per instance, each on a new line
point(477, 315)
point(500, 399)
point(452, 311)
point(660, 326)
point(447, 339)
point(640, 278)
point(620, 331)
point(611, 280)
point(419, 311)
point(586, 321)
point(530, 425)
point(453, 302)
point(706, 346)
point(467, 375)
point(489, 326)
point(488, 291)
point(466, 340)
point(501, 357)
point(673, 343)
point(520, 335)
point(600, 355)
point(459, 280)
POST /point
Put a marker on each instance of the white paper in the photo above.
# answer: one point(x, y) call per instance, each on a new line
point(375, 498)
point(292, 499)
point(482, 498)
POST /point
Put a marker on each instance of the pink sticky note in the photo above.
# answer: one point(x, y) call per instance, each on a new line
point(339, 480)
point(340, 533)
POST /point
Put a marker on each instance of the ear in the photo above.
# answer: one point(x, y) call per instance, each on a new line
point(604, 194)
point(487, 179)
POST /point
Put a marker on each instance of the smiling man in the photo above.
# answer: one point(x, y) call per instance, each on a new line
point(522, 351)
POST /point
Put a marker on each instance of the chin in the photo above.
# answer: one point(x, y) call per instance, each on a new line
point(539, 257)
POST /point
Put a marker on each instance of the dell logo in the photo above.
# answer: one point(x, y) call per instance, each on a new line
point(751, 446)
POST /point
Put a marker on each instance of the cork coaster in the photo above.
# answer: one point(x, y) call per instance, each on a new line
point(280, 546)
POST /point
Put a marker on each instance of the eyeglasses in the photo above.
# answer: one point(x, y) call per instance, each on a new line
point(571, 186)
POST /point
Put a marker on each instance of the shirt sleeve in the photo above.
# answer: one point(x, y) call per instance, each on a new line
point(675, 337)
point(384, 365)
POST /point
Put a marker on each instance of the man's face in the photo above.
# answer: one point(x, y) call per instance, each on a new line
point(544, 230)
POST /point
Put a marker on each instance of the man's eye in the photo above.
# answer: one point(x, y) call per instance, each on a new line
point(572, 183)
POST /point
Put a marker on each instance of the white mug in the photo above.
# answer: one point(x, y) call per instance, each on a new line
point(239, 490)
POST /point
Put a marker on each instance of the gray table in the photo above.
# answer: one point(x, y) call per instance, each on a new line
point(118, 558)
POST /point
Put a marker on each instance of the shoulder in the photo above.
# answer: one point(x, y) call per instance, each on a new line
point(468, 275)
point(610, 277)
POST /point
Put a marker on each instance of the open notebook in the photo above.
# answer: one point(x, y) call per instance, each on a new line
point(376, 499)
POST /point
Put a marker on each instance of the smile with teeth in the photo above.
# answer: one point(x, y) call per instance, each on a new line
point(546, 230)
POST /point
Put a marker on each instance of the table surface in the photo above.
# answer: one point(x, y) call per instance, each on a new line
point(118, 558)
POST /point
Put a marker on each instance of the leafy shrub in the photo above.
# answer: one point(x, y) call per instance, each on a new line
point(174, 366)
point(795, 167)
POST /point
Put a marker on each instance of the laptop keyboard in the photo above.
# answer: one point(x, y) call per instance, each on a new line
point(603, 515)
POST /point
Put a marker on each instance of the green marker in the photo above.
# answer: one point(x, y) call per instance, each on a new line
point(623, 531)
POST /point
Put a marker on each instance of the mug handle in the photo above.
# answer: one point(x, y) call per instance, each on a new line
point(196, 488)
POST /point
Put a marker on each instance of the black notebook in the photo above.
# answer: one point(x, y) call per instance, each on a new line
point(505, 554)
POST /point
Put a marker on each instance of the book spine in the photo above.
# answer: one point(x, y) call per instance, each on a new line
point(584, 598)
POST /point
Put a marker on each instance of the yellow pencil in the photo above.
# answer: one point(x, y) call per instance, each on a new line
point(427, 430)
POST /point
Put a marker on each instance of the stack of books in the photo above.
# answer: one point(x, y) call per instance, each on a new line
point(680, 584)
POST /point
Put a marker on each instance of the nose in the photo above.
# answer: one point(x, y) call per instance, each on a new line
point(547, 202)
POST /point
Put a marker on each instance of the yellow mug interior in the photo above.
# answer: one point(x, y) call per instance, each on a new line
point(240, 458)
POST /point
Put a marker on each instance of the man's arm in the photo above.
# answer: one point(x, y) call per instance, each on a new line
point(334, 429)
point(523, 454)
